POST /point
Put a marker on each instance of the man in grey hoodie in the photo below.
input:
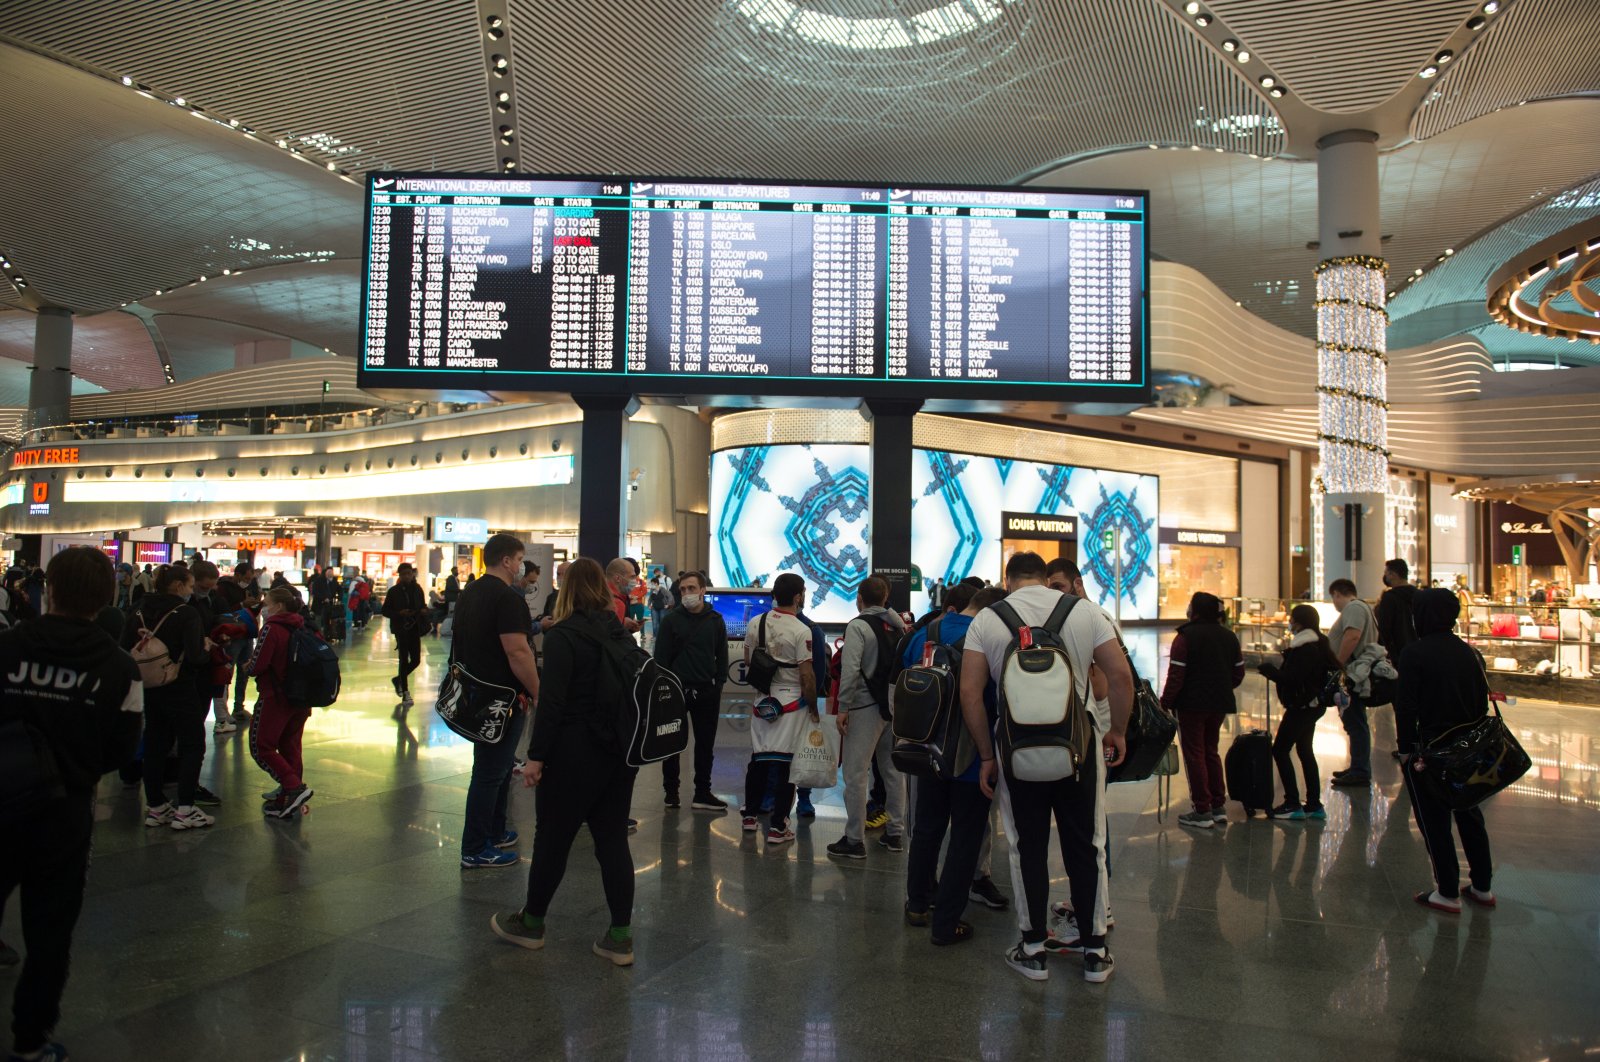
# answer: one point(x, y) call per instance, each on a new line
point(869, 656)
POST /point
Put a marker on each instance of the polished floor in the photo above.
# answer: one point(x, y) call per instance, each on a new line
point(353, 933)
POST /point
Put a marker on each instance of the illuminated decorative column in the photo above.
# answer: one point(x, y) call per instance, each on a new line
point(1352, 364)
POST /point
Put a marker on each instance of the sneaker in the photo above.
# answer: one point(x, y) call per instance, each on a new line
point(1316, 812)
point(291, 801)
point(406, 701)
point(962, 934)
point(1219, 816)
point(1292, 812)
point(848, 849)
point(1433, 899)
point(1354, 781)
point(1097, 966)
point(708, 802)
point(1064, 913)
point(893, 842)
point(506, 840)
point(518, 766)
point(1199, 820)
point(159, 816)
point(620, 952)
point(225, 726)
point(272, 794)
point(205, 798)
point(777, 836)
point(241, 716)
point(805, 810)
point(672, 803)
point(1483, 898)
point(193, 819)
point(489, 857)
point(47, 1053)
point(272, 806)
point(877, 820)
point(984, 891)
point(509, 926)
point(918, 919)
point(1070, 944)
point(751, 824)
point(1030, 966)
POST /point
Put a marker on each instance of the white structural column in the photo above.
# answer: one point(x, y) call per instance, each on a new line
point(1352, 363)
point(50, 388)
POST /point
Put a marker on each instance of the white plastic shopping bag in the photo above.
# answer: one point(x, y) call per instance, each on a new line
point(816, 754)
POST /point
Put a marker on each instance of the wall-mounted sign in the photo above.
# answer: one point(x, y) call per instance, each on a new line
point(457, 529)
point(1512, 525)
point(281, 545)
point(1039, 525)
point(1181, 536)
point(45, 455)
point(39, 498)
point(152, 552)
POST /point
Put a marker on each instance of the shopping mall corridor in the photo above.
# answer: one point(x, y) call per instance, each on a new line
point(353, 933)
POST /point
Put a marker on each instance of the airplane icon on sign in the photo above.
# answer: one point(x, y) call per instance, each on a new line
point(383, 182)
point(899, 193)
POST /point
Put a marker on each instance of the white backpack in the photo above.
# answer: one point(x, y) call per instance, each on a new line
point(1045, 731)
point(156, 665)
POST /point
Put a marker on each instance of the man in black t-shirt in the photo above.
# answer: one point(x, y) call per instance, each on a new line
point(491, 642)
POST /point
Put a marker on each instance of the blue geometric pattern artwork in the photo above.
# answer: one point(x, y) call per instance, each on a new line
point(746, 465)
point(832, 566)
point(1116, 512)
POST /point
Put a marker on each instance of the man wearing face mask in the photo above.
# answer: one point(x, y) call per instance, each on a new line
point(692, 643)
point(621, 574)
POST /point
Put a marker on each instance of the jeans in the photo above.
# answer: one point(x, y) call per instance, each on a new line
point(965, 810)
point(867, 739)
point(582, 785)
point(47, 857)
point(410, 645)
point(1356, 724)
point(1198, 735)
point(1433, 819)
point(705, 704)
point(180, 718)
point(1296, 731)
point(758, 777)
point(489, 789)
point(241, 681)
point(275, 732)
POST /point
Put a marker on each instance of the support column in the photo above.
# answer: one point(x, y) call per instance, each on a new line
point(50, 388)
point(324, 541)
point(603, 474)
point(1352, 363)
point(889, 494)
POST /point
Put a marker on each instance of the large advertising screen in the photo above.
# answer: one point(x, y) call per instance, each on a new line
point(803, 508)
point(666, 285)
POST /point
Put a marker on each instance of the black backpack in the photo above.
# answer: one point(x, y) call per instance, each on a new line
point(930, 738)
point(643, 714)
point(881, 681)
point(311, 675)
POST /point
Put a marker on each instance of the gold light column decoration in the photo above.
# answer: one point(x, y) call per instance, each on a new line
point(1353, 375)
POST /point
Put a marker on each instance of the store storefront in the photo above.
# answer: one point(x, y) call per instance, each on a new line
point(1193, 561)
point(1524, 555)
point(1452, 539)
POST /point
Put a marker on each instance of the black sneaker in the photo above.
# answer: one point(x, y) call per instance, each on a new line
point(205, 798)
point(672, 802)
point(985, 892)
point(919, 919)
point(1097, 966)
point(893, 842)
point(708, 802)
point(399, 687)
point(1354, 781)
point(1034, 967)
point(848, 849)
point(290, 803)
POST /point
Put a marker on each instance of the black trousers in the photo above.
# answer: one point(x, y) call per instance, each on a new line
point(705, 704)
point(761, 776)
point(1433, 819)
point(181, 718)
point(582, 785)
point(1026, 808)
point(962, 807)
point(47, 858)
point(410, 645)
point(1295, 732)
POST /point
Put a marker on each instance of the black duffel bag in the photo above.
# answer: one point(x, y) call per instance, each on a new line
point(1470, 763)
point(1151, 730)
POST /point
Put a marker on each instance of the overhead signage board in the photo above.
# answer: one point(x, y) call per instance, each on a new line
point(45, 455)
point(152, 553)
point(640, 286)
point(462, 529)
point(1039, 525)
point(1182, 536)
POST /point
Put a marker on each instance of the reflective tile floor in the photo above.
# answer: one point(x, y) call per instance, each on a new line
point(353, 933)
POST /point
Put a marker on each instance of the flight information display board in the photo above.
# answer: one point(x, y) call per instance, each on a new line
point(687, 286)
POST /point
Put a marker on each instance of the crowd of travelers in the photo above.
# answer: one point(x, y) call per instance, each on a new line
point(111, 670)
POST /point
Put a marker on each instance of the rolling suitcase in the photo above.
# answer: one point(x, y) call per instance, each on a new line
point(1248, 767)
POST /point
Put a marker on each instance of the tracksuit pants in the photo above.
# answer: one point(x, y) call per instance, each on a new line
point(1079, 809)
point(867, 739)
point(962, 807)
point(1199, 734)
point(1433, 819)
point(46, 857)
point(276, 731)
point(409, 644)
point(582, 785)
point(705, 704)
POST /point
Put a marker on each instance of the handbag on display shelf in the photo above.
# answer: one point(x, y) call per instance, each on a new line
point(1470, 763)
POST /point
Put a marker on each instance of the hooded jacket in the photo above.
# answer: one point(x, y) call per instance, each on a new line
point(271, 661)
point(66, 679)
point(1307, 663)
point(1442, 682)
point(183, 637)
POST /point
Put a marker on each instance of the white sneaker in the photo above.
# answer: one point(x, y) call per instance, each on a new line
point(190, 819)
point(226, 726)
point(158, 816)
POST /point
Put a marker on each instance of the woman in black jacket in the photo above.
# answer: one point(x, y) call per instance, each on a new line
point(574, 760)
point(1442, 686)
point(174, 711)
point(1300, 680)
point(1206, 666)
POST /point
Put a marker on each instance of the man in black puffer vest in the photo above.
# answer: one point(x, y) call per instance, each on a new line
point(70, 703)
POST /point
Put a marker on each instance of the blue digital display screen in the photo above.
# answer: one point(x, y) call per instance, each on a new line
point(738, 608)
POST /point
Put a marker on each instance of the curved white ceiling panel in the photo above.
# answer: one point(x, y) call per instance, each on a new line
point(111, 350)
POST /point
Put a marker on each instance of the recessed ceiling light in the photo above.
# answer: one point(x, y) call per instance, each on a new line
point(1152, 147)
point(1194, 147)
point(1444, 57)
point(227, 272)
point(333, 165)
point(1428, 71)
point(1230, 45)
point(1278, 92)
point(1243, 56)
point(1419, 272)
point(1491, 7)
point(128, 81)
point(1267, 81)
point(500, 62)
point(1202, 21)
point(1192, 7)
point(1476, 22)
point(1449, 251)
